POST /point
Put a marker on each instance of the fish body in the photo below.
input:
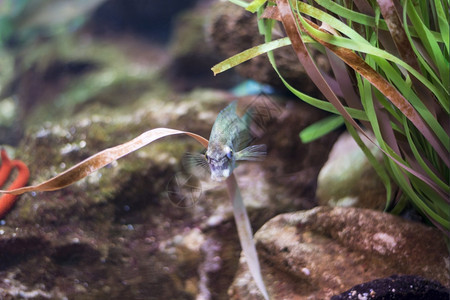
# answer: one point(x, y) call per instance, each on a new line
point(230, 136)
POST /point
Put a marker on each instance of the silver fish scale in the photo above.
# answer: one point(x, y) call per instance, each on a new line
point(229, 129)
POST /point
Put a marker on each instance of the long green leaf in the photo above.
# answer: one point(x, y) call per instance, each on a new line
point(321, 128)
point(428, 41)
point(443, 24)
point(363, 18)
point(420, 55)
point(404, 47)
point(378, 81)
point(255, 5)
point(249, 54)
point(266, 48)
point(421, 161)
point(240, 3)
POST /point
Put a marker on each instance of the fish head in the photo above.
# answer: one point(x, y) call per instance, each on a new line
point(221, 161)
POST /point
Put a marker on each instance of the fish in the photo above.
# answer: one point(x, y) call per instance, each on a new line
point(228, 145)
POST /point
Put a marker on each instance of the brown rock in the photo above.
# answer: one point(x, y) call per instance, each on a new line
point(324, 251)
point(232, 30)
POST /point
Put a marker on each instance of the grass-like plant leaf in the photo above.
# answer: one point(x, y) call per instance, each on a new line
point(321, 128)
point(386, 88)
point(249, 54)
point(399, 88)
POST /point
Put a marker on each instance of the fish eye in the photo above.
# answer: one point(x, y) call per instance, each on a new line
point(230, 154)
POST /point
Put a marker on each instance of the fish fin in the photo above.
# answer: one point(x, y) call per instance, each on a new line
point(230, 109)
point(242, 140)
point(196, 164)
point(252, 153)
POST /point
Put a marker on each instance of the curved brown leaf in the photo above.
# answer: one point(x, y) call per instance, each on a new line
point(101, 159)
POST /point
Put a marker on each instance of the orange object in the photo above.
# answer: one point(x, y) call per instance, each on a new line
point(7, 200)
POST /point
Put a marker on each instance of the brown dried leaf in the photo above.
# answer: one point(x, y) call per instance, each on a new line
point(271, 12)
point(101, 159)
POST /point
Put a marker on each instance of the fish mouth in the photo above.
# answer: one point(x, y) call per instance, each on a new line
point(218, 179)
point(220, 175)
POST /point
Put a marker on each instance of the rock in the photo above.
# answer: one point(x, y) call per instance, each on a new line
point(325, 251)
point(232, 30)
point(348, 179)
point(397, 287)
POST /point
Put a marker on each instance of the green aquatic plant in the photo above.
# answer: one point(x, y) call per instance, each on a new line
point(390, 64)
point(107, 156)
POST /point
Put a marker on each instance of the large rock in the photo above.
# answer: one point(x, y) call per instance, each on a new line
point(322, 252)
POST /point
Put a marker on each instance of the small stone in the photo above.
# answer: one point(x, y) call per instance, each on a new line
point(348, 179)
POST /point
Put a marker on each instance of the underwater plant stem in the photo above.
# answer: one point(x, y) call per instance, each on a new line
point(245, 234)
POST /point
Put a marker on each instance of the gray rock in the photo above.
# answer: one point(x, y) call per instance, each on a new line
point(348, 179)
point(322, 252)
